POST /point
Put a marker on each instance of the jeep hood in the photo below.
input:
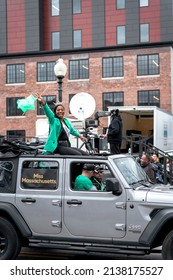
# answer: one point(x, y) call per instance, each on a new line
point(160, 194)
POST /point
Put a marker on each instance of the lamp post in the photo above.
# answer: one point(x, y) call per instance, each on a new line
point(60, 70)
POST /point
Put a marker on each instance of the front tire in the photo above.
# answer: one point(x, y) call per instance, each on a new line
point(167, 248)
point(9, 240)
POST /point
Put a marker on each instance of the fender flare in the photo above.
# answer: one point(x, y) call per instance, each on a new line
point(16, 217)
point(155, 225)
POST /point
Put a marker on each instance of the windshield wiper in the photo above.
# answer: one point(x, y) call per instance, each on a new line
point(142, 182)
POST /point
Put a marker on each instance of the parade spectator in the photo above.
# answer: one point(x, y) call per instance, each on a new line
point(145, 162)
point(157, 167)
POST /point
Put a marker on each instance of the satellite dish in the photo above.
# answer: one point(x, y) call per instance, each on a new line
point(82, 105)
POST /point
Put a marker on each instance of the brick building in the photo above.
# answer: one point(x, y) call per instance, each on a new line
point(119, 51)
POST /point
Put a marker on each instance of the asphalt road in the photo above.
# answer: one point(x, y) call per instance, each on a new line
point(49, 254)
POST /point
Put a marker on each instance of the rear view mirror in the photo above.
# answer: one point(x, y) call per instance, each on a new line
point(112, 185)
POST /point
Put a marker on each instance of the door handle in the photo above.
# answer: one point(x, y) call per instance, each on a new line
point(74, 202)
point(28, 200)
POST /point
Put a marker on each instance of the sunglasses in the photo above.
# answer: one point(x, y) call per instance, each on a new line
point(97, 171)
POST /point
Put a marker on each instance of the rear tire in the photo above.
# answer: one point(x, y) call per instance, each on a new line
point(167, 248)
point(10, 244)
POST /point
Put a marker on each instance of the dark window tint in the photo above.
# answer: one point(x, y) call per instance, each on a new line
point(39, 175)
point(11, 106)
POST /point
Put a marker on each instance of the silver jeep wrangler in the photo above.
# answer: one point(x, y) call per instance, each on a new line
point(40, 207)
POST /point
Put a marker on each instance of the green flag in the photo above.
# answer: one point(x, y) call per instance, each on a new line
point(27, 103)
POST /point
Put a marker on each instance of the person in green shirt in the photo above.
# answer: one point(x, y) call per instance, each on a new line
point(83, 182)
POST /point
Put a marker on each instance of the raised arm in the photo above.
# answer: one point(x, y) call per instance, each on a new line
point(40, 99)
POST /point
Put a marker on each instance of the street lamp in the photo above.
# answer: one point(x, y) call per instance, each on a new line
point(60, 70)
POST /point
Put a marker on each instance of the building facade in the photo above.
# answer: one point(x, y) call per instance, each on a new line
point(119, 51)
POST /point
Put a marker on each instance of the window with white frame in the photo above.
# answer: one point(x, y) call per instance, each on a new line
point(15, 73)
point(112, 67)
point(143, 3)
point(55, 7)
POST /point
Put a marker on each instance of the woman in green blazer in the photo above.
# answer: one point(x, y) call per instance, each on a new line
point(60, 130)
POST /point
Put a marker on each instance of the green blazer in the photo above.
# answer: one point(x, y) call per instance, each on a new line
point(55, 130)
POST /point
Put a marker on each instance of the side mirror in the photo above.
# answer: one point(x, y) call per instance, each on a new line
point(112, 185)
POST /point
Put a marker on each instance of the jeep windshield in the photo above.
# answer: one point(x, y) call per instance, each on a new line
point(131, 171)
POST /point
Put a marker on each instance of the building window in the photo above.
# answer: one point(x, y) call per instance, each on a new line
point(79, 69)
point(144, 32)
point(55, 40)
point(77, 38)
point(55, 7)
point(50, 100)
point(45, 71)
point(148, 64)
point(121, 35)
point(120, 4)
point(70, 97)
point(77, 9)
point(143, 3)
point(18, 135)
point(149, 98)
point(112, 67)
point(112, 99)
point(15, 73)
point(11, 107)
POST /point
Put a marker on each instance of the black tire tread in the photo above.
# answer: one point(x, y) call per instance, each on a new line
point(167, 248)
point(10, 233)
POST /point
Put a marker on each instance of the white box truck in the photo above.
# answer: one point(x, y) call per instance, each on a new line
point(150, 122)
